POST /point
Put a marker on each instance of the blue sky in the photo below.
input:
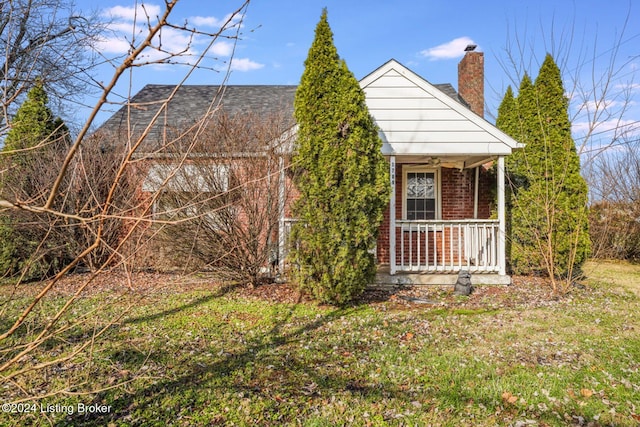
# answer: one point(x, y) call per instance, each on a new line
point(428, 36)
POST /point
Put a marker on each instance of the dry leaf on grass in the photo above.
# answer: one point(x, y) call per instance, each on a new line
point(509, 398)
point(585, 392)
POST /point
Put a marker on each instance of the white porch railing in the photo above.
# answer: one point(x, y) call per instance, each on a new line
point(283, 240)
point(435, 246)
point(447, 246)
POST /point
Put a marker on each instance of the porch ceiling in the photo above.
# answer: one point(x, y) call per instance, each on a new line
point(447, 161)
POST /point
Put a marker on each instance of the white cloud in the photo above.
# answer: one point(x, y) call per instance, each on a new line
point(113, 45)
point(628, 87)
point(602, 105)
point(245, 64)
point(205, 21)
point(450, 50)
point(231, 21)
point(614, 125)
point(130, 13)
point(222, 48)
point(131, 22)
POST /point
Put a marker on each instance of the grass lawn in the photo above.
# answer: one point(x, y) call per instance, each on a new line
point(213, 355)
point(617, 273)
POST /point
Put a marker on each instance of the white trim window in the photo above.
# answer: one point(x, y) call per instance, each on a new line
point(186, 177)
point(187, 192)
point(421, 193)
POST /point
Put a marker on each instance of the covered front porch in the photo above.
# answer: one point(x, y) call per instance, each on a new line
point(446, 214)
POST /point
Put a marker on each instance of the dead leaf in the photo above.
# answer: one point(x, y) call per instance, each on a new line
point(408, 336)
point(509, 398)
point(585, 392)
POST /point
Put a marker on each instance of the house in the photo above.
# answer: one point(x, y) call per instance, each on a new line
point(192, 148)
point(446, 163)
point(443, 216)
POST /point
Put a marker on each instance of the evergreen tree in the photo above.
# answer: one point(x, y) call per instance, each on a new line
point(34, 124)
point(507, 119)
point(525, 228)
point(565, 185)
point(34, 140)
point(549, 230)
point(343, 178)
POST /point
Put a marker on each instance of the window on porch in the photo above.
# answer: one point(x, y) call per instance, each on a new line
point(421, 194)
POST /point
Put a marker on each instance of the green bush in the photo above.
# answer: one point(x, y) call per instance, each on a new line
point(548, 225)
point(342, 177)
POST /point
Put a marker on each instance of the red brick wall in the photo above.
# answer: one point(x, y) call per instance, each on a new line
point(457, 194)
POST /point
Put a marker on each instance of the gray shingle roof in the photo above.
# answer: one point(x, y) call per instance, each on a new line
point(191, 102)
point(450, 91)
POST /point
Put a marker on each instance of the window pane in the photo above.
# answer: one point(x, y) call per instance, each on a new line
point(429, 186)
point(430, 210)
point(430, 205)
point(421, 195)
point(412, 185)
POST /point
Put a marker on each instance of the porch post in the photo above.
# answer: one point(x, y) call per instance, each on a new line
point(476, 192)
point(392, 216)
point(281, 224)
point(502, 262)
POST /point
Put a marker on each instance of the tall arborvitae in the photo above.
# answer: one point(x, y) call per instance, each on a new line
point(525, 230)
point(342, 177)
point(34, 133)
point(34, 140)
point(548, 227)
point(508, 121)
point(568, 188)
point(34, 124)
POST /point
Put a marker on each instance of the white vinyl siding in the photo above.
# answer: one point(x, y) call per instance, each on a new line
point(416, 117)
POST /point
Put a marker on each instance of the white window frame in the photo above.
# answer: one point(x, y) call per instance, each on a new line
point(171, 177)
point(406, 169)
point(174, 177)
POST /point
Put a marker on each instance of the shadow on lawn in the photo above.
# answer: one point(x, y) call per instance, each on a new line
point(184, 391)
point(222, 291)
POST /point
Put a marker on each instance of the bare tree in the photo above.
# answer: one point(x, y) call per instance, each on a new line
point(615, 211)
point(49, 41)
point(599, 80)
point(221, 210)
point(107, 222)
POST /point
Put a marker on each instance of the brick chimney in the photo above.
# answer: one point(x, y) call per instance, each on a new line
point(471, 79)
